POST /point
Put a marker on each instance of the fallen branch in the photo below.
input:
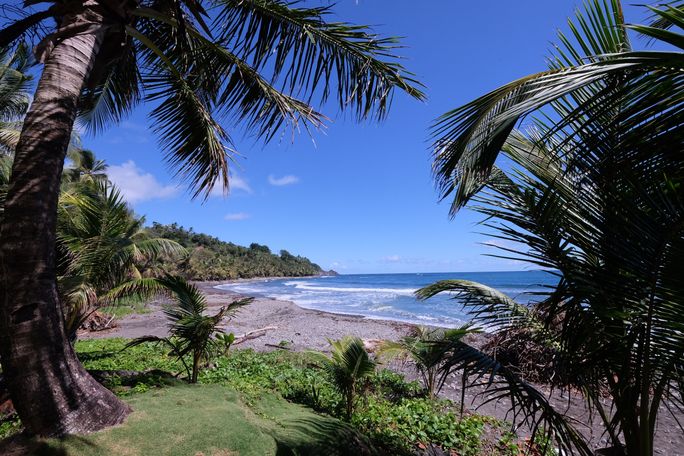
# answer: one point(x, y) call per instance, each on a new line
point(279, 346)
point(253, 334)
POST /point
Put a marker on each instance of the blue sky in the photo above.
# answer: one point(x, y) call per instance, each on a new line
point(359, 198)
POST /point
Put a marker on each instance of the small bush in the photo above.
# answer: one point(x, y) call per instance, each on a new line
point(404, 425)
point(107, 354)
point(9, 427)
point(393, 412)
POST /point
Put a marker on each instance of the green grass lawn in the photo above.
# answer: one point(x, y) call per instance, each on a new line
point(213, 420)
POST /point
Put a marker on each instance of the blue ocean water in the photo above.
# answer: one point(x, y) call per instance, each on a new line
point(390, 296)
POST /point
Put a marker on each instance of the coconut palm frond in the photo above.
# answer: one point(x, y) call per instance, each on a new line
point(528, 405)
point(594, 194)
point(348, 365)
point(114, 98)
point(15, 82)
point(363, 65)
point(469, 139)
point(191, 331)
point(485, 304)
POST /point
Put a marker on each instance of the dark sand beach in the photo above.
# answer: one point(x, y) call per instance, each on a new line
point(305, 329)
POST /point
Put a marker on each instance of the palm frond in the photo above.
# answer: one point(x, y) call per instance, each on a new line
point(140, 289)
point(198, 147)
point(9, 136)
point(14, 83)
point(350, 359)
point(364, 66)
point(237, 305)
point(528, 405)
point(485, 304)
point(16, 30)
point(111, 100)
point(189, 300)
point(237, 89)
point(469, 139)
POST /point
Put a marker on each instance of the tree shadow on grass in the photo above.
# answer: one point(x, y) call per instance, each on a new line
point(23, 445)
point(320, 436)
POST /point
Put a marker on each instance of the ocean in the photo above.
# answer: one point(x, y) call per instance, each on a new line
point(390, 296)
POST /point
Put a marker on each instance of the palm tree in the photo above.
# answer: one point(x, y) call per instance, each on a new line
point(84, 167)
point(14, 100)
point(256, 62)
point(100, 244)
point(14, 97)
point(596, 197)
point(191, 331)
point(348, 365)
point(428, 348)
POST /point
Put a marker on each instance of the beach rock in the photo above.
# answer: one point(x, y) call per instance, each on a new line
point(371, 345)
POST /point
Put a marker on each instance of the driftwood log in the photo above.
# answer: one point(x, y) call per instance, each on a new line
point(253, 334)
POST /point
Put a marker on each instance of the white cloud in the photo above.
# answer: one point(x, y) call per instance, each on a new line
point(136, 185)
point(237, 216)
point(285, 180)
point(235, 183)
point(501, 243)
point(392, 259)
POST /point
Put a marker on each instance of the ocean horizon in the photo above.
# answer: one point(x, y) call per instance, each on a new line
point(390, 296)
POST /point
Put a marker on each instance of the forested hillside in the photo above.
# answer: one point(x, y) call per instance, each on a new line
point(209, 258)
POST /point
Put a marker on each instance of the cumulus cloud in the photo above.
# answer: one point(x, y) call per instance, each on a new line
point(237, 216)
point(392, 259)
point(235, 183)
point(136, 185)
point(285, 180)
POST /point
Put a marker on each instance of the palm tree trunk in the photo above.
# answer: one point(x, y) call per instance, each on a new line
point(51, 390)
point(350, 403)
point(195, 366)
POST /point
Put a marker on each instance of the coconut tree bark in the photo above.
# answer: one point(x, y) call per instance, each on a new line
point(51, 390)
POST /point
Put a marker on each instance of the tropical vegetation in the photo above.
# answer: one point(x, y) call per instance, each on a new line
point(209, 258)
point(348, 365)
point(248, 62)
point(191, 332)
point(577, 169)
point(594, 196)
point(14, 99)
point(393, 418)
point(101, 246)
point(428, 349)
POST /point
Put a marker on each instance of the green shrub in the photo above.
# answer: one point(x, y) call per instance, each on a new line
point(107, 354)
point(393, 412)
point(393, 386)
point(404, 424)
point(9, 427)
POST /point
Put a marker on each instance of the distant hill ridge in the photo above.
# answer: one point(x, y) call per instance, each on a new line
point(210, 258)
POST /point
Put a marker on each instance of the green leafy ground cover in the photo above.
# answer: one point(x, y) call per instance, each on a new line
point(280, 391)
point(392, 412)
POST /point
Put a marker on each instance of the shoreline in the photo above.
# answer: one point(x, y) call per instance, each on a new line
point(302, 328)
point(215, 284)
